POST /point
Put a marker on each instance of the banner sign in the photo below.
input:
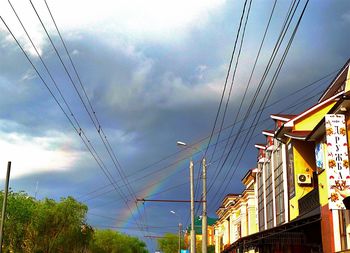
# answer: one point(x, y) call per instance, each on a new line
point(337, 161)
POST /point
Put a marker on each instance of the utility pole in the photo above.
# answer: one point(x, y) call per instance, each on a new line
point(193, 232)
point(204, 215)
point(4, 203)
point(180, 228)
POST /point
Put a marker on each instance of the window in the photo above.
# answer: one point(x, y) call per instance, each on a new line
point(290, 171)
point(279, 190)
point(261, 199)
point(269, 192)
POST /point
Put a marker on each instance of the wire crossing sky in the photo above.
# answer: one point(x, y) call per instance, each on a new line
point(95, 95)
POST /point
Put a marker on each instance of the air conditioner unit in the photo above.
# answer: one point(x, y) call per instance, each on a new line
point(304, 179)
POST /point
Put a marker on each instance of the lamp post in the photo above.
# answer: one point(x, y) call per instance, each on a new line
point(204, 214)
point(204, 199)
point(180, 227)
point(193, 232)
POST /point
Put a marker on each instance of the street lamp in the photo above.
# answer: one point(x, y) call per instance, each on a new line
point(193, 232)
point(180, 227)
point(204, 199)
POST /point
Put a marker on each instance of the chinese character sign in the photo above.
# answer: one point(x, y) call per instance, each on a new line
point(337, 166)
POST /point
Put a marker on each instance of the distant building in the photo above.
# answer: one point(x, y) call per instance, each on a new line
point(237, 215)
point(198, 230)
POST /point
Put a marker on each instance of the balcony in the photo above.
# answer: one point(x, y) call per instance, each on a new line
point(309, 202)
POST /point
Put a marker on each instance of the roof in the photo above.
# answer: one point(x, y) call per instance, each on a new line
point(336, 83)
point(198, 224)
point(227, 198)
point(313, 108)
point(231, 195)
point(268, 132)
point(248, 174)
point(298, 135)
point(260, 146)
point(319, 129)
point(282, 117)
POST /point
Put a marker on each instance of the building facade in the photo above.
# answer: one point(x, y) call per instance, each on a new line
point(301, 183)
point(237, 215)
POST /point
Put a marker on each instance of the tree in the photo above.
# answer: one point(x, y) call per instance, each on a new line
point(57, 226)
point(169, 243)
point(49, 226)
point(108, 241)
point(19, 212)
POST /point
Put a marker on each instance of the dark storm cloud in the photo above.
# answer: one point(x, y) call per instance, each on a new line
point(149, 94)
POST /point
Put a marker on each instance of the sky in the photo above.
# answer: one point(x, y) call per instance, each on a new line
point(154, 72)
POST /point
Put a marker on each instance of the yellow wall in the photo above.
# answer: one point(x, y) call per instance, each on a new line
point(304, 157)
point(253, 222)
point(309, 122)
point(304, 163)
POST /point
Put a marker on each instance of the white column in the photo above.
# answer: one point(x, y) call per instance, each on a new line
point(273, 186)
point(264, 189)
point(243, 221)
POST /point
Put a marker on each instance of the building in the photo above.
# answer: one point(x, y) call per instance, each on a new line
point(324, 131)
point(302, 181)
point(198, 230)
point(237, 215)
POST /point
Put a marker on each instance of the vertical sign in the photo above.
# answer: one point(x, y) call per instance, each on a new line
point(337, 160)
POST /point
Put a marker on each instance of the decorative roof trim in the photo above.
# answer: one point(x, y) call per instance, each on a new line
point(291, 122)
point(281, 118)
point(298, 135)
point(346, 66)
point(260, 146)
point(268, 133)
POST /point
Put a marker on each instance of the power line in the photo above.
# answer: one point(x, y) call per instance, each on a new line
point(231, 136)
point(246, 89)
point(78, 129)
point(232, 80)
point(273, 55)
point(226, 79)
point(97, 127)
point(225, 84)
point(269, 90)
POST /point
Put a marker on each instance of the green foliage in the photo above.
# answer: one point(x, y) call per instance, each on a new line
point(49, 226)
point(108, 241)
point(169, 243)
point(20, 210)
point(57, 226)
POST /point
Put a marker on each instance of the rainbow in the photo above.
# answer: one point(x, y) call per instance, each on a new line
point(127, 216)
